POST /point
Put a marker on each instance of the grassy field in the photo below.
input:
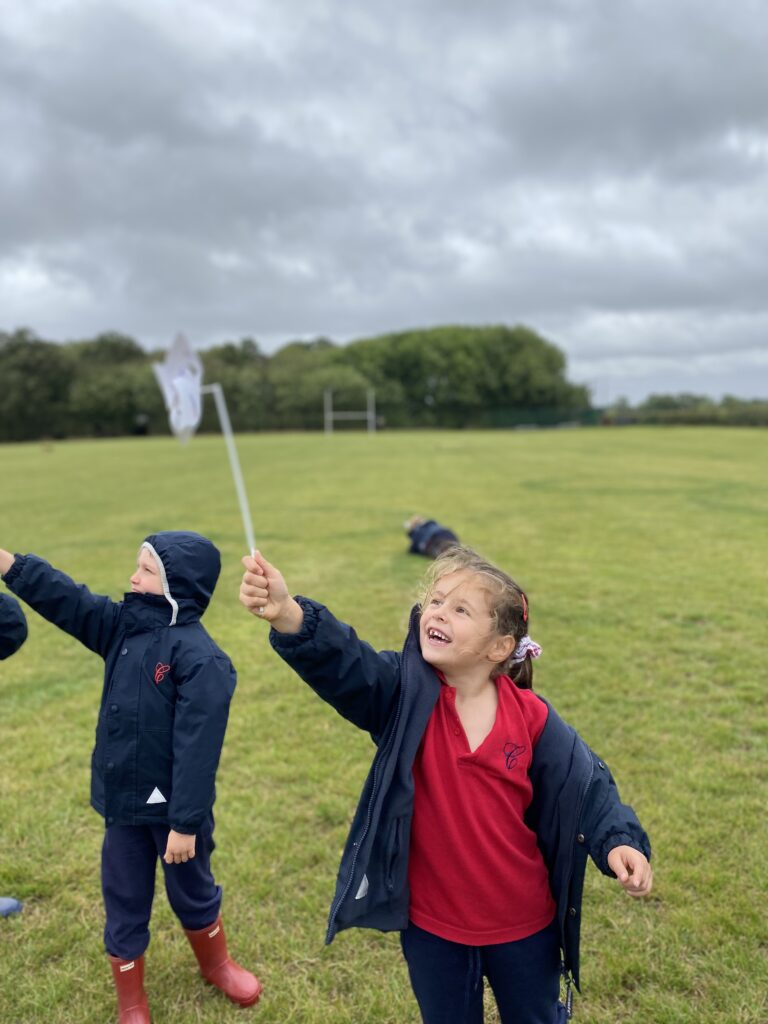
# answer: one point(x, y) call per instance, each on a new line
point(645, 555)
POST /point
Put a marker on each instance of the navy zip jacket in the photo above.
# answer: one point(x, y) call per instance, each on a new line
point(167, 686)
point(13, 626)
point(575, 810)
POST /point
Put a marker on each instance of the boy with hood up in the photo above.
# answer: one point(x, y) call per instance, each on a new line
point(161, 724)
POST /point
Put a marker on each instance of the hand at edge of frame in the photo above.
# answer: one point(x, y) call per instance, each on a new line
point(6, 561)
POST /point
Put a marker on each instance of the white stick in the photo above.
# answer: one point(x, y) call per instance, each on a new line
point(226, 429)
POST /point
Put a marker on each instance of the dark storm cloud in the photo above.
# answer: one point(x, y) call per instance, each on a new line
point(596, 170)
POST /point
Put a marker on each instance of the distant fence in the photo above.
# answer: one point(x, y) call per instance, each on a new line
point(543, 417)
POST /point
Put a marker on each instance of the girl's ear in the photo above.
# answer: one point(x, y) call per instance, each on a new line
point(501, 648)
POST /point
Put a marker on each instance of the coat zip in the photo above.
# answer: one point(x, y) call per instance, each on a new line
point(569, 871)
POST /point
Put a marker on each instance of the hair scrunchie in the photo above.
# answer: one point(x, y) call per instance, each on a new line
point(526, 648)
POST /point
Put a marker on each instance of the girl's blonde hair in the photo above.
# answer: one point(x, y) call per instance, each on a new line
point(509, 605)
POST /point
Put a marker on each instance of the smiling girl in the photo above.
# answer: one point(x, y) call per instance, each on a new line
point(473, 829)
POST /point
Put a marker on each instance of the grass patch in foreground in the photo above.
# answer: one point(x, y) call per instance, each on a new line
point(644, 554)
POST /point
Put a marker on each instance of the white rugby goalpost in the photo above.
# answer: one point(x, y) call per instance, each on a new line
point(368, 414)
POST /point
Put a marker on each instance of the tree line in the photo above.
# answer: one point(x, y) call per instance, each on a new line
point(686, 408)
point(454, 376)
point(457, 377)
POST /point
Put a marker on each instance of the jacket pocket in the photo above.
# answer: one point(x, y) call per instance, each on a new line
point(157, 704)
point(154, 770)
point(394, 853)
point(101, 726)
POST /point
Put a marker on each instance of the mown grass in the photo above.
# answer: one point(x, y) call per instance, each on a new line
point(644, 553)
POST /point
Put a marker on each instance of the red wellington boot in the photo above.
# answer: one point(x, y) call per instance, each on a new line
point(217, 967)
point(129, 982)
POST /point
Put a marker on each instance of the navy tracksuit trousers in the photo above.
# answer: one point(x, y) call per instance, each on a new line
point(128, 865)
point(447, 977)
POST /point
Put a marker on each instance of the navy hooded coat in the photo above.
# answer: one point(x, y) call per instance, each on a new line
point(167, 686)
point(13, 626)
point(575, 810)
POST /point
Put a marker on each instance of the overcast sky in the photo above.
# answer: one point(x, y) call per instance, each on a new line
point(595, 169)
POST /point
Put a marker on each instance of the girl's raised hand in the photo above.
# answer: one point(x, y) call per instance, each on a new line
point(632, 870)
point(264, 593)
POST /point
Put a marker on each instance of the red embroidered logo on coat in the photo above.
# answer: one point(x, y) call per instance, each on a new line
point(161, 671)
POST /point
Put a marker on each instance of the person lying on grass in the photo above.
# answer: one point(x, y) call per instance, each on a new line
point(481, 807)
point(428, 537)
point(163, 714)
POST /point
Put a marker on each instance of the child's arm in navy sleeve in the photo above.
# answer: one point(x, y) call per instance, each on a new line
point(13, 626)
point(359, 682)
point(205, 690)
point(609, 822)
point(90, 618)
point(349, 674)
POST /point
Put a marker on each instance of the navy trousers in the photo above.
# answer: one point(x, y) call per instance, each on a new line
point(128, 864)
point(447, 977)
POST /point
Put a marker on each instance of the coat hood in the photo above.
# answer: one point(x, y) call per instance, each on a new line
point(189, 567)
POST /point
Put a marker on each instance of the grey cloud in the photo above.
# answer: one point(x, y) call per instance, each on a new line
point(596, 170)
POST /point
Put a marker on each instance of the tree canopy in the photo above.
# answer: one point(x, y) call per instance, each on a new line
point(452, 376)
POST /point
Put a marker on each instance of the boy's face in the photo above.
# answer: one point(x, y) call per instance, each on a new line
point(457, 630)
point(146, 579)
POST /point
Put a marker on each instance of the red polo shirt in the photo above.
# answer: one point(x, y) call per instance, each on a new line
point(476, 873)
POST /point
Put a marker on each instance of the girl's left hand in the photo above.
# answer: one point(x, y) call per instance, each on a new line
point(631, 869)
point(180, 848)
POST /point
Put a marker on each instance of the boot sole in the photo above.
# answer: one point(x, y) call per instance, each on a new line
point(238, 1002)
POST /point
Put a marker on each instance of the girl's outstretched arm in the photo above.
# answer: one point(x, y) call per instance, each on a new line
point(360, 683)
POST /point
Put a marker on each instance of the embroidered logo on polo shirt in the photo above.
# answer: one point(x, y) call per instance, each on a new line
point(161, 671)
point(512, 751)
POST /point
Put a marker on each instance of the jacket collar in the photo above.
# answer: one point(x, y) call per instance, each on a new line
point(143, 612)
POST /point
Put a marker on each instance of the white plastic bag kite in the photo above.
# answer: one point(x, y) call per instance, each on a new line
point(180, 378)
